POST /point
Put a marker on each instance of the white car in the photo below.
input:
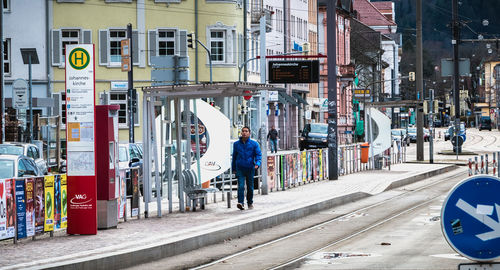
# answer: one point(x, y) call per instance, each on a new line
point(28, 150)
point(17, 166)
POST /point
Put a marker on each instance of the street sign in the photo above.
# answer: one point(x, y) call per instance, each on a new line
point(460, 140)
point(362, 93)
point(20, 94)
point(470, 218)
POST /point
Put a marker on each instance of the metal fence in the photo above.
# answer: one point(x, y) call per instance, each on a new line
point(484, 164)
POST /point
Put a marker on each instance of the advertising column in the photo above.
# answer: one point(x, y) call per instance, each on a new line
point(80, 133)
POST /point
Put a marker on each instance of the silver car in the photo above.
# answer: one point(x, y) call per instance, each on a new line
point(17, 166)
point(28, 150)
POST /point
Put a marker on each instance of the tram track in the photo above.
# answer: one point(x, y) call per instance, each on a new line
point(332, 224)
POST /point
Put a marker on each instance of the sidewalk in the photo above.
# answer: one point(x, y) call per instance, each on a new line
point(144, 240)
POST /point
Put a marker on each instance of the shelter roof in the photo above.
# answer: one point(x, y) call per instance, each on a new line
point(206, 89)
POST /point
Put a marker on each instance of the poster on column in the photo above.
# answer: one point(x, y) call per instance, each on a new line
point(309, 166)
point(298, 167)
point(57, 202)
point(315, 165)
point(64, 201)
point(289, 166)
point(123, 197)
point(20, 208)
point(11, 207)
point(39, 205)
point(30, 207)
point(3, 209)
point(49, 203)
point(271, 172)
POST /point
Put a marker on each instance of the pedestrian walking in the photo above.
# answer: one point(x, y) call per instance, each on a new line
point(246, 159)
point(273, 137)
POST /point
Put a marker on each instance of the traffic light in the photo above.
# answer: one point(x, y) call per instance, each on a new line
point(191, 40)
point(411, 76)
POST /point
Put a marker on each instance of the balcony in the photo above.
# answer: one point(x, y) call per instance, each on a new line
point(255, 20)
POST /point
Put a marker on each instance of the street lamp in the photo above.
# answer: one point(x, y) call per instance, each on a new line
point(30, 57)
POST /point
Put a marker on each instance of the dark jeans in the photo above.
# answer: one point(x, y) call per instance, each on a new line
point(274, 145)
point(245, 176)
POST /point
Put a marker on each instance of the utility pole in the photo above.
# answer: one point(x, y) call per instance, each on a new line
point(331, 32)
point(130, 102)
point(2, 117)
point(420, 97)
point(456, 92)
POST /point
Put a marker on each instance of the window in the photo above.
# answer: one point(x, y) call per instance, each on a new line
point(63, 108)
point(6, 5)
point(217, 45)
point(115, 50)
point(120, 98)
point(166, 42)
point(69, 37)
point(6, 57)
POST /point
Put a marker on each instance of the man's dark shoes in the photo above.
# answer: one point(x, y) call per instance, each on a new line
point(240, 206)
point(250, 206)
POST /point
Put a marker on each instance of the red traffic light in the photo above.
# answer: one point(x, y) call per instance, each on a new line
point(247, 97)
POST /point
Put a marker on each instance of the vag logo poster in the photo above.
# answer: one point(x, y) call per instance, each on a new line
point(79, 58)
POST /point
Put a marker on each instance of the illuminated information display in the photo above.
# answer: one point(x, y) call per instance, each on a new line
point(293, 71)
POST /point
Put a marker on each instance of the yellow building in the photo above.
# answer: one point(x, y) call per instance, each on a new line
point(491, 75)
point(160, 27)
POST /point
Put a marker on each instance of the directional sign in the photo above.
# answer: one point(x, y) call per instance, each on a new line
point(470, 218)
point(20, 94)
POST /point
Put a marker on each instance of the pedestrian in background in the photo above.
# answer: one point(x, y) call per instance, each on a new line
point(246, 159)
point(273, 136)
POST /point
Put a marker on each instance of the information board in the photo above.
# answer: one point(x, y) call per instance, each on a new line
point(305, 71)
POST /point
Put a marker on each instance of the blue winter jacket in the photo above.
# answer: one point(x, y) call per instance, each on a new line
point(246, 154)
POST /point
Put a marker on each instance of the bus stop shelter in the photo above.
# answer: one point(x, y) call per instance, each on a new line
point(158, 99)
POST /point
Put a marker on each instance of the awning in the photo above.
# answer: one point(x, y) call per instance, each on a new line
point(285, 98)
point(300, 99)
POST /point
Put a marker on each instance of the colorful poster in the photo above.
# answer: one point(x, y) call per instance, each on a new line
point(283, 172)
point(30, 207)
point(11, 207)
point(290, 170)
point(304, 166)
point(64, 201)
point(49, 203)
point(20, 209)
point(315, 165)
point(134, 205)
point(320, 159)
point(3, 210)
point(271, 172)
point(298, 167)
point(123, 197)
point(39, 205)
point(57, 202)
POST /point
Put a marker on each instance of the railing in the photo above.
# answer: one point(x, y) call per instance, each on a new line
point(484, 165)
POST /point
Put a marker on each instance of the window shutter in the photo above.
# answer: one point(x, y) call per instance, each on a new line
point(135, 47)
point(103, 47)
point(235, 43)
point(56, 47)
point(87, 36)
point(240, 49)
point(56, 109)
point(229, 46)
point(182, 43)
point(151, 44)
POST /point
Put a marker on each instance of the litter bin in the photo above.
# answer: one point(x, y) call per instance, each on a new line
point(365, 148)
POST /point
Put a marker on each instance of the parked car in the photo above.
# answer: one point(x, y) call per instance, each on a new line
point(28, 150)
point(314, 136)
point(17, 166)
point(412, 134)
point(400, 134)
point(485, 123)
point(130, 156)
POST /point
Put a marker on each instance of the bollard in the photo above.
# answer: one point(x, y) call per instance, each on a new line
point(470, 166)
point(482, 164)
point(486, 163)
point(476, 171)
point(228, 200)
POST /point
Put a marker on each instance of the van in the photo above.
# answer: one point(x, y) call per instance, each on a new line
point(314, 136)
point(485, 123)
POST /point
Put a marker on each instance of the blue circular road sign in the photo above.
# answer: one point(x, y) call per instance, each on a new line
point(470, 218)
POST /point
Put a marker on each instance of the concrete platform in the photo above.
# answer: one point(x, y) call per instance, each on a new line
point(139, 241)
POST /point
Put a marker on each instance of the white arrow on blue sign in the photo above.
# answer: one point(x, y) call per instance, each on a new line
point(470, 218)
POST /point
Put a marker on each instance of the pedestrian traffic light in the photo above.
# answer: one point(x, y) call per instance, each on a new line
point(191, 40)
point(411, 76)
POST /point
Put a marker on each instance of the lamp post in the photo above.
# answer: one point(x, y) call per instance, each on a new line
point(30, 57)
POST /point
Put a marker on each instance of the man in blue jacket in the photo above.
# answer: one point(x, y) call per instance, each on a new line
point(246, 159)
